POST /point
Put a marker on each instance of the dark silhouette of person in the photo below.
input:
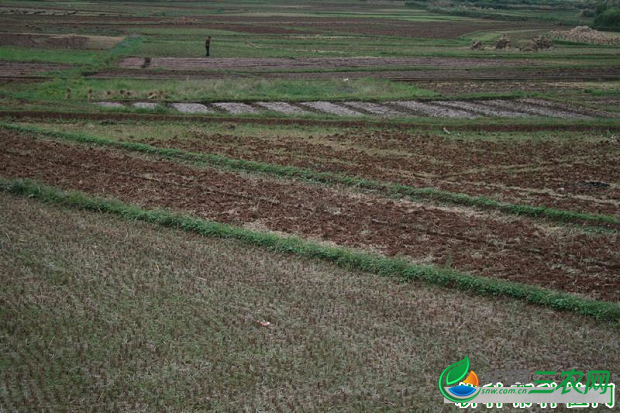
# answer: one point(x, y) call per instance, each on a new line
point(208, 45)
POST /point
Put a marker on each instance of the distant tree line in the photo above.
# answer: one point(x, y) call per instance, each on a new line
point(607, 15)
point(509, 4)
point(509, 9)
point(601, 14)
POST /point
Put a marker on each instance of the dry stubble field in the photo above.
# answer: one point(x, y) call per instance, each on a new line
point(101, 314)
point(418, 240)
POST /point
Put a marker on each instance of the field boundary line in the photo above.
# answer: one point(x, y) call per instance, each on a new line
point(561, 125)
point(388, 188)
point(342, 257)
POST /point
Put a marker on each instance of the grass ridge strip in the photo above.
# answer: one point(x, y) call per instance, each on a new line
point(389, 188)
point(490, 125)
point(342, 257)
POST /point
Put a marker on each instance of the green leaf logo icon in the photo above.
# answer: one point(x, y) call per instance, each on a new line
point(453, 375)
point(457, 371)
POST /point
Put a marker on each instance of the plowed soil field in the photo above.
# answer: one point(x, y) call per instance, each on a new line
point(552, 173)
point(364, 26)
point(65, 41)
point(511, 248)
point(256, 64)
point(278, 25)
point(401, 69)
point(18, 69)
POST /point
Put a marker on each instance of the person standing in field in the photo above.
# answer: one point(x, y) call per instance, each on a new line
point(208, 45)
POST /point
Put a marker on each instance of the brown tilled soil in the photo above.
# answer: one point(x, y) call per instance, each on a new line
point(64, 41)
point(275, 25)
point(550, 173)
point(251, 29)
point(454, 87)
point(503, 79)
point(29, 115)
point(279, 25)
point(257, 64)
point(18, 69)
point(362, 26)
point(495, 246)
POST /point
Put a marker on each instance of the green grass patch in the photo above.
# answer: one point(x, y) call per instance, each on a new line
point(93, 59)
point(72, 57)
point(221, 89)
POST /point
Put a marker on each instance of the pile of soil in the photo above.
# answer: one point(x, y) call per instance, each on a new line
point(585, 34)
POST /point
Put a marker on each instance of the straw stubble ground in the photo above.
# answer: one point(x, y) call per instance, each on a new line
point(101, 314)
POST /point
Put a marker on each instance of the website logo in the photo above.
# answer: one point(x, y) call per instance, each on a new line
point(576, 389)
point(466, 389)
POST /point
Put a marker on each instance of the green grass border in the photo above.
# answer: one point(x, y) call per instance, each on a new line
point(389, 188)
point(342, 257)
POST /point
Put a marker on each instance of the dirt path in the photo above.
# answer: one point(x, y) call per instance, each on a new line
point(509, 248)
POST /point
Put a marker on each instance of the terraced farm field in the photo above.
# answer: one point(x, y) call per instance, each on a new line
point(474, 243)
point(395, 109)
point(339, 203)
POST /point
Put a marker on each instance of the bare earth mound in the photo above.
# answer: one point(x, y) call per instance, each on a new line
point(585, 34)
